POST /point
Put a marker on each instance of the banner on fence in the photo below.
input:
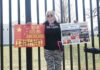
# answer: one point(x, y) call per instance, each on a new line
point(28, 35)
point(74, 33)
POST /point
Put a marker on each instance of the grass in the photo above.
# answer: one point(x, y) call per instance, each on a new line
point(43, 63)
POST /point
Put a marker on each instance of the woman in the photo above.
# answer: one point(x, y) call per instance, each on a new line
point(53, 52)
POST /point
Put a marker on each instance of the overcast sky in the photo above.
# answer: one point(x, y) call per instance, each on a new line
point(42, 13)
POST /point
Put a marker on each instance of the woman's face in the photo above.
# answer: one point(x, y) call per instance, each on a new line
point(50, 17)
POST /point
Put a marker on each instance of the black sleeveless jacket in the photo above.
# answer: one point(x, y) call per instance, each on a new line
point(52, 36)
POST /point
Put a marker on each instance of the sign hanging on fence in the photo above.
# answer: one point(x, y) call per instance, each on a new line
point(28, 35)
point(74, 33)
point(84, 34)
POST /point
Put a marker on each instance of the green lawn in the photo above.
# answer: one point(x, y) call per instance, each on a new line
point(43, 63)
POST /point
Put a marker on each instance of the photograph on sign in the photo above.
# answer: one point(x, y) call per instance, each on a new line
point(70, 33)
point(84, 34)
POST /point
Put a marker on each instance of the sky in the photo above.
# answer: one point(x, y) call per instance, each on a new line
point(42, 12)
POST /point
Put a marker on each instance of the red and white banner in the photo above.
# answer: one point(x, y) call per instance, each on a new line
point(29, 35)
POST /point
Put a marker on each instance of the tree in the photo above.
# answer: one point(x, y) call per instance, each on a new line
point(64, 11)
point(94, 11)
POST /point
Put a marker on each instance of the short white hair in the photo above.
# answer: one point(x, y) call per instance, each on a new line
point(50, 13)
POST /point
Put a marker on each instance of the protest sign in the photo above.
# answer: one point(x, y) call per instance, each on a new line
point(74, 33)
point(70, 33)
point(84, 34)
point(28, 35)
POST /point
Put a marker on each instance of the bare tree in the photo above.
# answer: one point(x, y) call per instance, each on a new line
point(94, 11)
point(64, 11)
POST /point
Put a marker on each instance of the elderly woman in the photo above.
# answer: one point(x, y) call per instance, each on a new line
point(52, 52)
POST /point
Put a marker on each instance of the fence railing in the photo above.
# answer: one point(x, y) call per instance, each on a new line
point(28, 18)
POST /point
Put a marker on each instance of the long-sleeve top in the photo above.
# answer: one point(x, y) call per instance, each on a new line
point(52, 35)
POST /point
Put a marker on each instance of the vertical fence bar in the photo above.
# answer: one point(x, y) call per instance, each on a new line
point(19, 49)
point(98, 18)
point(69, 14)
point(71, 57)
point(39, 56)
point(71, 50)
point(53, 5)
point(78, 46)
point(61, 8)
point(79, 62)
point(71, 53)
point(28, 19)
point(10, 34)
point(76, 7)
point(45, 6)
point(91, 16)
point(1, 35)
point(84, 19)
point(92, 33)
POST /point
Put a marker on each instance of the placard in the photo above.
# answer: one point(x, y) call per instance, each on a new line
point(74, 33)
point(28, 35)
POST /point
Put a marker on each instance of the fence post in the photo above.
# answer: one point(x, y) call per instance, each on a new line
point(62, 11)
point(92, 33)
point(28, 19)
point(19, 49)
point(1, 36)
point(10, 34)
point(98, 18)
point(78, 46)
point(84, 19)
point(39, 55)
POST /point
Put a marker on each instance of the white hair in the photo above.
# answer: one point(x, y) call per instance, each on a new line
point(50, 12)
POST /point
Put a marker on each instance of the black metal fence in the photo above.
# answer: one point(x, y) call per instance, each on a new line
point(29, 63)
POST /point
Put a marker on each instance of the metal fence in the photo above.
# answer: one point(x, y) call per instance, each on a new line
point(29, 62)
